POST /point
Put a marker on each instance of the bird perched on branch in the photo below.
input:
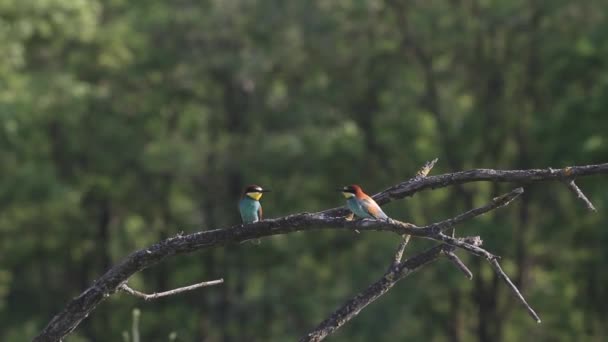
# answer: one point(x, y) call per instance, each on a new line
point(249, 205)
point(361, 204)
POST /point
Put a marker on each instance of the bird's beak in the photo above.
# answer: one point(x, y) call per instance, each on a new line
point(266, 190)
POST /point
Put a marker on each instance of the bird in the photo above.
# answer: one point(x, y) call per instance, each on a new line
point(249, 204)
point(361, 204)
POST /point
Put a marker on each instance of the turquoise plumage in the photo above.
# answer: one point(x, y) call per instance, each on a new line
point(249, 204)
point(250, 209)
point(361, 204)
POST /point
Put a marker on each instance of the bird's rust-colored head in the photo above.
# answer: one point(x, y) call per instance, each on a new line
point(254, 191)
point(351, 191)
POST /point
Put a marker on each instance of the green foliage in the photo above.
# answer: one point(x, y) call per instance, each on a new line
point(123, 123)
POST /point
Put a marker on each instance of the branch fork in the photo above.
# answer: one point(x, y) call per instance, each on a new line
point(114, 279)
point(399, 270)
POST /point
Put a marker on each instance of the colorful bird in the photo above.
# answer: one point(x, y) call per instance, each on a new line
point(361, 204)
point(249, 205)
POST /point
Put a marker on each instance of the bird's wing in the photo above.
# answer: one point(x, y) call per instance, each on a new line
point(373, 208)
point(241, 204)
point(260, 213)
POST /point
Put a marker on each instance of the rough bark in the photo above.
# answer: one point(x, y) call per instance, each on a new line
point(81, 306)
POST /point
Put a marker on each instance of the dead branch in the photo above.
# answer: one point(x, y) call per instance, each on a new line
point(502, 275)
point(353, 306)
point(81, 306)
point(580, 195)
point(124, 287)
point(398, 270)
point(400, 249)
point(423, 172)
point(412, 186)
point(458, 263)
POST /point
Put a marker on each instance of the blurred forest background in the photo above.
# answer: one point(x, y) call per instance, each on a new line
point(126, 122)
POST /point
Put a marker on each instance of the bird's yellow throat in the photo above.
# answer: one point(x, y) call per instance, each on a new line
point(255, 195)
point(348, 194)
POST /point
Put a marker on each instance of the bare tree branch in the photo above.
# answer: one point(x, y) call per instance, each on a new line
point(497, 202)
point(466, 245)
point(351, 308)
point(493, 260)
point(458, 263)
point(580, 195)
point(426, 168)
point(414, 185)
point(400, 249)
point(411, 187)
point(514, 289)
point(423, 172)
point(81, 306)
point(124, 287)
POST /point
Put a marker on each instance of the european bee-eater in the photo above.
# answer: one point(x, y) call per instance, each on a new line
point(249, 205)
point(361, 204)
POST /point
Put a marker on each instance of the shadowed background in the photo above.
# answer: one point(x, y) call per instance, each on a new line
point(123, 123)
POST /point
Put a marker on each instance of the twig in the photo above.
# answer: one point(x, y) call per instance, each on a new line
point(426, 168)
point(124, 287)
point(580, 195)
point(514, 289)
point(493, 259)
point(496, 202)
point(458, 263)
point(466, 245)
point(423, 172)
point(400, 249)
